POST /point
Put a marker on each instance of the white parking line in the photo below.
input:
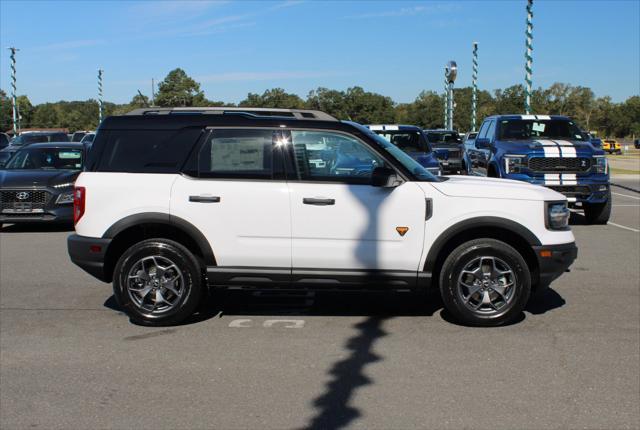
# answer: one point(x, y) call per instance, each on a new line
point(625, 195)
point(623, 226)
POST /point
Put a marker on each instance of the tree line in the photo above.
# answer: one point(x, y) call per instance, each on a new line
point(593, 113)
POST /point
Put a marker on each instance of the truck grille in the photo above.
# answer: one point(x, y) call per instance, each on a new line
point(572, 190)
point(559, 165)
point(23, 200)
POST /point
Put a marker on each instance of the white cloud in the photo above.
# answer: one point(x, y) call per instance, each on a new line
point(406, 11)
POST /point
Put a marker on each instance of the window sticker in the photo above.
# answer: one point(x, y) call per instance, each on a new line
point(68, 155)
point(538, 126)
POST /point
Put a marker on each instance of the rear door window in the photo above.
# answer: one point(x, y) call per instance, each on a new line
point(147, 151)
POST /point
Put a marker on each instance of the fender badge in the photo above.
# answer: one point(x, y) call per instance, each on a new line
point(402, 230)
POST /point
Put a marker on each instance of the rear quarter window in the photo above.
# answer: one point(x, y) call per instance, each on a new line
point(147, 151)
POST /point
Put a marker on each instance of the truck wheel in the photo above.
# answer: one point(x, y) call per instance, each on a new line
point(485, 282)
point(598, 213)
point(158, 282)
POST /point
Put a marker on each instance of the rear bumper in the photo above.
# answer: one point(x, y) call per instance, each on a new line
point(559, 258)
point(88, 253)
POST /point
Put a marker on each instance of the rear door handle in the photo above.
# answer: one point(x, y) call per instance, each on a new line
point(318, 202)
point(204, 199)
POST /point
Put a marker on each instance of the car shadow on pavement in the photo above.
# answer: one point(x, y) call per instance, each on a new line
point(357, 303)
point(36, 228)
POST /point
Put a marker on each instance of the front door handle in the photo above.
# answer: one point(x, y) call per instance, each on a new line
point(318, 202)
point(204, 199)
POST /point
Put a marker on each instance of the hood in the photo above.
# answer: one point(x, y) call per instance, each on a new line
point(36, 178)
point(585, 149)
point(493, 188)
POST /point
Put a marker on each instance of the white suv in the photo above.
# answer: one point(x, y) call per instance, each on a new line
point(175, 201)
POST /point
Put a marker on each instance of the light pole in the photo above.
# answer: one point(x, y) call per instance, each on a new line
point(14, 100)
point(529, 58)
point(474, 89)
point(446, 98)
point(100, 96)
point(451, 72)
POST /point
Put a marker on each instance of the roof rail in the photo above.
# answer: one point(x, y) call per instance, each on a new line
point(256, 112)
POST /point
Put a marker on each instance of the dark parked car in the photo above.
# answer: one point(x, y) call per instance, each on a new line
point(39, 137)
point(29, 138)
point(412, 140)
point(79, 135)
point(4, 140)
point(636, 143)
point(36, 184)
point(447, 144)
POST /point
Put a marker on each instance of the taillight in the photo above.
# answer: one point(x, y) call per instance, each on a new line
point(79, 194)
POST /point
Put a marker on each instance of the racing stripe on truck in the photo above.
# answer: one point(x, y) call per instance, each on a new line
point(568, 179)
point(567, 149)
point(551, 149)
point(552, 179)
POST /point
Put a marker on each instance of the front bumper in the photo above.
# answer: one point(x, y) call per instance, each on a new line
point(39, 207)
point(451, 165)
point(553, 261)
point(88, 253)
point(577, 189)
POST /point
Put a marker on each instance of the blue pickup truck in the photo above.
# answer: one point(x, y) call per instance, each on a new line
point(412, 140)
point(548, 150)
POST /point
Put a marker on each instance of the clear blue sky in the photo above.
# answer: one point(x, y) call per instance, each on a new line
point(394, 48)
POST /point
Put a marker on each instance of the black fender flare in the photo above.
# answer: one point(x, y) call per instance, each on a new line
point(167, 219)
point(474, 223)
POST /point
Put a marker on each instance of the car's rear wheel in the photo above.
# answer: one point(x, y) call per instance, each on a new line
point(485, 282)
point(598, 213)
point(158, 282)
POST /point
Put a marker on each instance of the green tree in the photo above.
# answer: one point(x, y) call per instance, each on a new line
point(25, 110)
point(273, 98)
point(178, 89)
point(6, 112)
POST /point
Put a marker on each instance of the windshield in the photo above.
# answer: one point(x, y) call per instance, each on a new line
point(408, 141)
point(409, 163)
point(46, 159)
point(444, 137)
point(520, 129)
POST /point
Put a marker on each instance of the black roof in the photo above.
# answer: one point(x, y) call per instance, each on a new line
point(174, 119)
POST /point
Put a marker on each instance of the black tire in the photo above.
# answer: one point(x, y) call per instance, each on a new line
point(466, 254)
point(190, 285)
point(598, 213)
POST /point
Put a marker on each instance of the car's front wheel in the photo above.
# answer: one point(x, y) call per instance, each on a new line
point(158, 282)
point(485, 282)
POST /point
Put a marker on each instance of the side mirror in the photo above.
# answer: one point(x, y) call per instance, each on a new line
point(483, 143)
point(384, 177)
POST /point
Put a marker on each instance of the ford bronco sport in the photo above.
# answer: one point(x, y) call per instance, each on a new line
point(175, 201)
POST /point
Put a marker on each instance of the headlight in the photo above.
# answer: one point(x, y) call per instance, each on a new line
point(65, 198)
point(65, 185)
point(600, 164)
point(557, 215)
point(434, 171)
point(513, 163)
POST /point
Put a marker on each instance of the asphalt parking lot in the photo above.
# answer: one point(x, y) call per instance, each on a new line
point(69, 359)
